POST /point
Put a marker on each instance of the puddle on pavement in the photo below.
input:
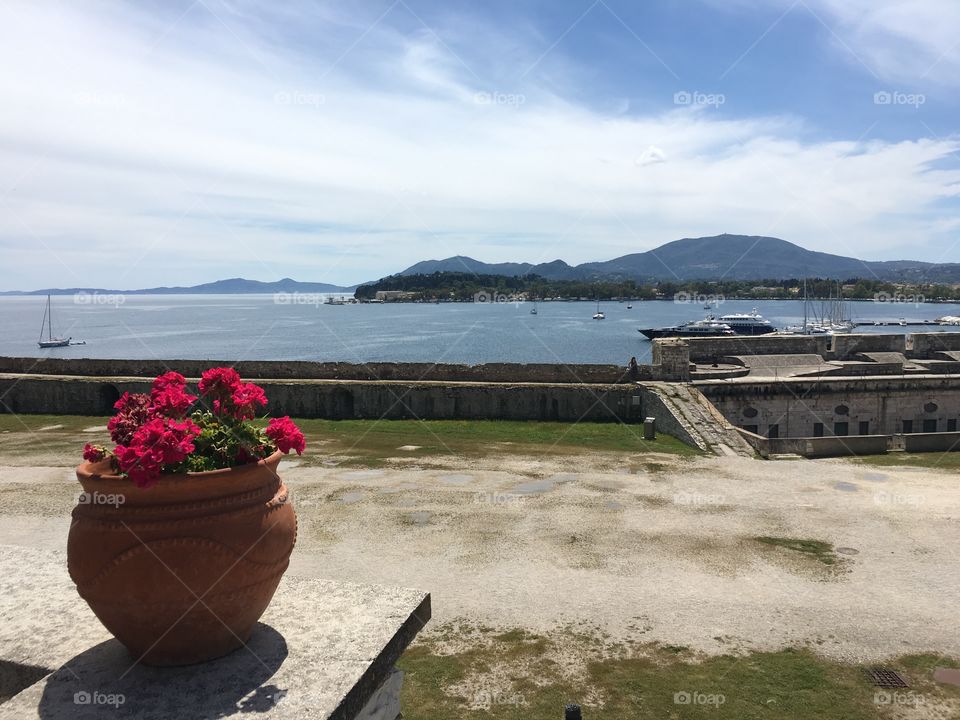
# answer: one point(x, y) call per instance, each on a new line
point(846, 487)
point(535, 487)
point(612, 505)
point(398, 488)
point(362, 474)
point(456, 479)
point(875, 477)
point(848, 551)
point(351, 497)
point(420, 517)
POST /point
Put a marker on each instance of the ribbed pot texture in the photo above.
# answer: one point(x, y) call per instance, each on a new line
point(180, 572)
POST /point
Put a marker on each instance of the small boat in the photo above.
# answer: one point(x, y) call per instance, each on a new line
point(533, 310)
point(599, 315)
point(51, 341)
point(629, 306)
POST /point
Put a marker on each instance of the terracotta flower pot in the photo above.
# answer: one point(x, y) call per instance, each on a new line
point(180, 572)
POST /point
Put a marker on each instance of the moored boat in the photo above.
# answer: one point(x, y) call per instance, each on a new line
point(51, 341)
point(751, 323)
point(708, 327)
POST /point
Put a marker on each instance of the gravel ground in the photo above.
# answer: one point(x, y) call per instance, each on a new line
point(644, 549)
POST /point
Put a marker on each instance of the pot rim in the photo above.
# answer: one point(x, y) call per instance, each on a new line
point(177, 487)
point(87, 471)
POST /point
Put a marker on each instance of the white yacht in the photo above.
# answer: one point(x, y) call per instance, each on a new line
point(751, 323)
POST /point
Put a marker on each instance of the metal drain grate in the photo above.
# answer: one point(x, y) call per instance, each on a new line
point(886, 678)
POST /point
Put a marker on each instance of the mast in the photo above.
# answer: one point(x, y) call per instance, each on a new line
point(805, 328)
point(50, 319)
point(46, 309)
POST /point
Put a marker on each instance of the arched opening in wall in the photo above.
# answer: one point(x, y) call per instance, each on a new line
point(107, 398)
point(342, 405)
point(750, 412)
point(841, 410)
point(930, 407)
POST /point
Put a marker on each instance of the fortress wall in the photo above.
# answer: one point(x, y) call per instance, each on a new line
point(796, 405)
point(297, 370)
point(846, 346)
point(926, 344)
point(334, 399)
point(709, 349)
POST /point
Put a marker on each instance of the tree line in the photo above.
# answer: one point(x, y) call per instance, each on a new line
point(467, 287)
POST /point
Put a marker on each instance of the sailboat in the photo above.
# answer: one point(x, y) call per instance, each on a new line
point(51, 341)
point(832, 319)
point(598, 315)
point(533, 310)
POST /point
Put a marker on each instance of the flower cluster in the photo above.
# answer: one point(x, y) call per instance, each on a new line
point(169, 395)
point(159, 443)
point(94, 453)
point(134, 411)
point(229, 395)
point(157, 433)
point(286, 435)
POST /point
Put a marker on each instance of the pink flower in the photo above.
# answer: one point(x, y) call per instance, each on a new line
point(171, 400)
point(93, 453)
point(159, 443)
point(286, 435)
point(167, 379)
point(134, 411)
point(245, 397)
point(220, 382)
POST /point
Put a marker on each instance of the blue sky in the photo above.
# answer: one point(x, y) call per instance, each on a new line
point(186, 141)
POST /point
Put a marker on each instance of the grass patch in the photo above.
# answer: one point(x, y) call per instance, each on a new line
point(817, 549)
point(947, 461)
point(368, 443)
point(374, 440)
point(33, 423)
point(517, 675)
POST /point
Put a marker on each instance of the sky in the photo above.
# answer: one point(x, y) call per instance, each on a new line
point(174, 142)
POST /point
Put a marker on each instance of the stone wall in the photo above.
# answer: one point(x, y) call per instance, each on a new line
point(353, 399)
point(835, 347)
point(296, 370)
point(844, 347)
point(932, 442)
point(710, 349)
point(814, 447)
point(925, 345)
point(796, 405)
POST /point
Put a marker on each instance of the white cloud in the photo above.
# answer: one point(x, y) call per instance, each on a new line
point(651, 156)
point(214, 153)
point(904, 41)
point(916, 42)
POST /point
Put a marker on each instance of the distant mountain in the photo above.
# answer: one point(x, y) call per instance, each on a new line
point(231, 286)
point(729, 257)
point(460, 263)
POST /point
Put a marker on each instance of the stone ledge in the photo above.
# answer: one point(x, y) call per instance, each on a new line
point(323, 649)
